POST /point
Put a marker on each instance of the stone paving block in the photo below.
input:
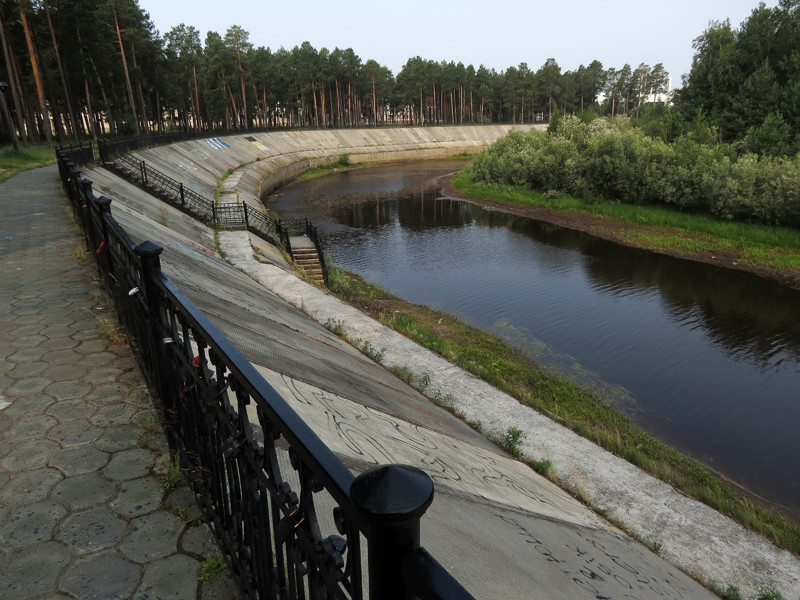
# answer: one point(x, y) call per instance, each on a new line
point(91, 530)
point(92, 347)
point(173, 578)
point(129, 464)
point(137, 498)
point(31, 523)
point(28, 341)
point(84, 491)
point(107, 575)
point(70, 410)
point(80, 459)
point(57, 331)
point(27, 329)
point(28, 354)
point(33, 405)
point(29, 428)
point(152, 537)
point(222, 587)
point(64, 372)
point(107, 393)
point(58, 343)
point(113, 414)
point(29, 455)
point(61, 357)
point(26, 370)
point(64, 390)
point(74, 433)
point(29, 487)
point(200, 542)
point(121, 437)
point(108, 374)
point(34, 571)
point(31, 386)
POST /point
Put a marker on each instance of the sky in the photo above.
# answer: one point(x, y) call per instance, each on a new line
point(497, 34)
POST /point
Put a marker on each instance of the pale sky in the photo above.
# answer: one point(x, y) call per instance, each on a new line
point(496, 34)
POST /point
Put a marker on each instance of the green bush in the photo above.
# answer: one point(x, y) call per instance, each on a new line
point(611, 159)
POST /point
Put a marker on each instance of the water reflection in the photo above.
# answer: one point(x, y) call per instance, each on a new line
point(706, 358)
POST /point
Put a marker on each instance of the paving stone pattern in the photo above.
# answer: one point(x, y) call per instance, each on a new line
point(83, 512)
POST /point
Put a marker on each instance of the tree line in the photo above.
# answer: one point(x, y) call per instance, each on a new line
point(745, 83)
point(83, 68)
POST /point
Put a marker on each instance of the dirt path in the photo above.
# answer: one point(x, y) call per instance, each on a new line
point(629, 234)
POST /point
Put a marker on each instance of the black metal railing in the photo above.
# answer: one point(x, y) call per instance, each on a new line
point(228, 426)
point(231, 214)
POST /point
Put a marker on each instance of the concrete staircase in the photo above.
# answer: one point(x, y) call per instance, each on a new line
point(304, 255)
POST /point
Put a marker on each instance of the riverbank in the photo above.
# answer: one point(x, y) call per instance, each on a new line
point(509, 370)
point(761, 250)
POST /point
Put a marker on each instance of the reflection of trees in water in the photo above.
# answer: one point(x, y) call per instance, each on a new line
point(414, 209)
point(752, 318)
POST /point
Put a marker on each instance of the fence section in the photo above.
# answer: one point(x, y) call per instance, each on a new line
point(230, 429)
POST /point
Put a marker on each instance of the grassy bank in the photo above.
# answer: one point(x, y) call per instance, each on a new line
point(660, 228)
point(509, 370)
point(28, 157)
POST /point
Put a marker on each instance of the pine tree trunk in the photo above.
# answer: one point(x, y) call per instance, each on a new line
point(13, 81)
point(131, 101)
point(37, 75)
point(59, 64)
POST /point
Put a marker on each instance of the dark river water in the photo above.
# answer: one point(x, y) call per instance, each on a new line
point(707, 359)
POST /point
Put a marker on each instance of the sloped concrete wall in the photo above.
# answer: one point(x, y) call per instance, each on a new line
point(259, 162)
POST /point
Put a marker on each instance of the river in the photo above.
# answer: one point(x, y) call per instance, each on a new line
point(705, 358)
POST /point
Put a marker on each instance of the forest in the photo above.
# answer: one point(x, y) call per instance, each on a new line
point(80, 69)
point(83, 68)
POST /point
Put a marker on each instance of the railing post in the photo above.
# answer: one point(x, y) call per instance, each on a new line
point(183, 198)
point(246, 219)
point(102, 252)
point(391, 499)
point(143, 172)
point(149, 254)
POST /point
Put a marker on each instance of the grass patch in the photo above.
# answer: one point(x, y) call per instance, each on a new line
point(173, 477)
point(661, 228)
point(28, 157)
point(509, 370)
point(210, 569)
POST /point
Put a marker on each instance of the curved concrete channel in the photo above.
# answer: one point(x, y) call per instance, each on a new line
point(495, 524)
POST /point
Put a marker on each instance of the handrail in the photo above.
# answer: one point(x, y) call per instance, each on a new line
point(274, 231)
point(266, 518)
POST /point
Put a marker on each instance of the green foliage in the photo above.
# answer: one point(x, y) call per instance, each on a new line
point(741, 79)
point(542, 466)
point(732, 593)
point(173, 477)
point(210, 569)
point(610, 159)
point(511, 439)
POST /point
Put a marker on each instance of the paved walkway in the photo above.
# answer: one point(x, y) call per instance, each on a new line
point(86, 505)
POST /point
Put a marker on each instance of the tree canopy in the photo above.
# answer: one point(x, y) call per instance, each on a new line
point(745, 82)
point(92, 67)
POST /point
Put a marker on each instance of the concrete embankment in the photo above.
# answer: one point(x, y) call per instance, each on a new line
point(257, 163)
point(695, 538)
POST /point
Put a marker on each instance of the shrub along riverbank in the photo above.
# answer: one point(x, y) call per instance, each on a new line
point(609, 159)
point(509, 370)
